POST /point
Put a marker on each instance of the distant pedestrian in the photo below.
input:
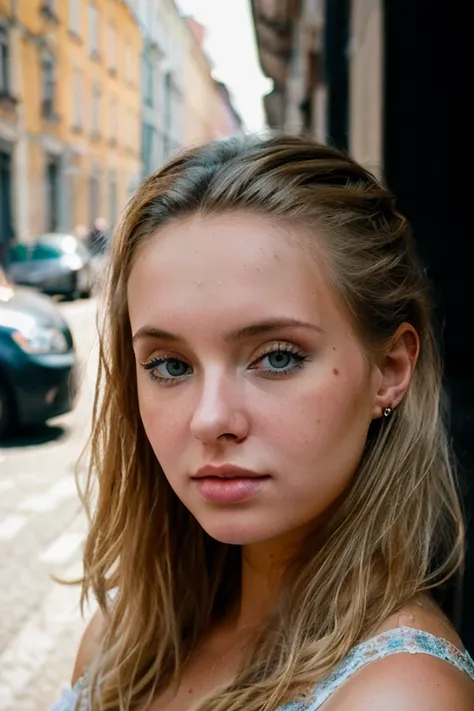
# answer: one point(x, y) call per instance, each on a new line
point(97, 240)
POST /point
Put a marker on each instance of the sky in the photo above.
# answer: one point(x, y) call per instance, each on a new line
point(230, 45)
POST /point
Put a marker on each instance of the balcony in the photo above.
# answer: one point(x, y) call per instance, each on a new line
point(48, 13)
point(273, 20)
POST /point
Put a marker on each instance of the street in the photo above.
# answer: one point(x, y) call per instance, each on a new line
point(42, 530)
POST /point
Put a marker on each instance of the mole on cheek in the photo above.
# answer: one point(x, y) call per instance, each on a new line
point(335, 371)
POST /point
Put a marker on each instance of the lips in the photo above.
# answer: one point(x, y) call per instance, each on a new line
point(226, 471)
point(228, 484)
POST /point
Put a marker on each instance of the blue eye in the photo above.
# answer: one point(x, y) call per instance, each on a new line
point(280, 361)
point(167, 369)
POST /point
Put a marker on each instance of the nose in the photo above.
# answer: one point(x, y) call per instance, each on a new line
point(219, 414)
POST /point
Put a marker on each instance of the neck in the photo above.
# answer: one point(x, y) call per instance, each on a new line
point(262, 567)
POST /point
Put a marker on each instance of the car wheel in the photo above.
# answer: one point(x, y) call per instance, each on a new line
point(6, 411)
point(73, 292)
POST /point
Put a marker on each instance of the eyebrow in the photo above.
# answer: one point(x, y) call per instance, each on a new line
point(255, 329)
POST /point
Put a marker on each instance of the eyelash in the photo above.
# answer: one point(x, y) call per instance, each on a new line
point(285, 348)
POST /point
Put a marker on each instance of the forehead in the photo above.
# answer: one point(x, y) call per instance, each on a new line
point(226, 266)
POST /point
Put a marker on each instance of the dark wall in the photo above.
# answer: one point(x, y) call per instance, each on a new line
point(336, 70)
point(428, 87)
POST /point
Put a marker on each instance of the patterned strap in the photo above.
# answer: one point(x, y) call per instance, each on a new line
point(70, 697)
point(395, 641)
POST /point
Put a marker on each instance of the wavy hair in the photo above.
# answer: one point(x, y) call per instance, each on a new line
point(401, 511)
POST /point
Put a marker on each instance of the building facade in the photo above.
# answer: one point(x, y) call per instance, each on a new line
point(163, 60)
point(210, 113)
point(69, 120)
point(326, 63)
point(94, 96)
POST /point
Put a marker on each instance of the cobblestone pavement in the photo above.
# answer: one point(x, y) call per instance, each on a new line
point(42, 531)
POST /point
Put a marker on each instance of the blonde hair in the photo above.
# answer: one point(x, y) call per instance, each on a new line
point(401, 511)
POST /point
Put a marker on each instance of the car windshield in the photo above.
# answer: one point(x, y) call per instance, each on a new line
point(48, 246)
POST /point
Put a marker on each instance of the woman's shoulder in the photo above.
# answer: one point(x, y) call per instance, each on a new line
point(403, 681)
point(435, 673)
point(89, 646)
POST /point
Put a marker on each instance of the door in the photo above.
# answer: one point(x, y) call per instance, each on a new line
point(6, 228)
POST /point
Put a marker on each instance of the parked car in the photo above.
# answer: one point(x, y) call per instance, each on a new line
point(55, 264)
point(37, 358)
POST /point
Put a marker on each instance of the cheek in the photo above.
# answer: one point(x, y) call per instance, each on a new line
point(325, 425)
point(162, 422)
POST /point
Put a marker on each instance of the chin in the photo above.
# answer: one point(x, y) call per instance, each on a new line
point(227, 528)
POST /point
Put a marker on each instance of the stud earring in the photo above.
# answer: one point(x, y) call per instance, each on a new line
point(387, 411)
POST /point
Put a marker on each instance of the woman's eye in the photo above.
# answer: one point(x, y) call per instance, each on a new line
point(280, 361)
point(169, 369)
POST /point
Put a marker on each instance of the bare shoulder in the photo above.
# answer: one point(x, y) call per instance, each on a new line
point(89, 645)
point(409, 682)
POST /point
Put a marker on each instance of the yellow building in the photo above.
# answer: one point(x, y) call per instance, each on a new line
point(74, 73)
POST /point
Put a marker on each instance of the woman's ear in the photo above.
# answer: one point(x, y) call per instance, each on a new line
point(397, 367)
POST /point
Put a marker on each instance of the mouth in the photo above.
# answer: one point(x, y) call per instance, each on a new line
point(226, 471)
point(228, 484)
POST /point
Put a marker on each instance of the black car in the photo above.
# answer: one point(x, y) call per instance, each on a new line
point(37, 359)
point(56, 264)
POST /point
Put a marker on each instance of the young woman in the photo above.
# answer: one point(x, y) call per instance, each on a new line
point(273, 498)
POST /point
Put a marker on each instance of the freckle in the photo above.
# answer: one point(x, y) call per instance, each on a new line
point(334, 348)
point(335, 371)
point(318, 422)
point(276, 256)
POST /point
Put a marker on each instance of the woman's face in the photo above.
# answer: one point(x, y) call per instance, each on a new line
point(254, 392)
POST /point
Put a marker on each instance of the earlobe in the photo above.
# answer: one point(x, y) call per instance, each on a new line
point(397, 370)
point(380, 412)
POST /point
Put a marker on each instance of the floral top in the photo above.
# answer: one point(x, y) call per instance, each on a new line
point(396, 641)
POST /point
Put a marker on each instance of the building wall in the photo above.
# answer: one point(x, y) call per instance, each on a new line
point(200, 91)
point(92, 132)
point(122, 105)
point(366, 83)
point(307, 105)
point(11, 123)
point(209, 113)
point(227, 122)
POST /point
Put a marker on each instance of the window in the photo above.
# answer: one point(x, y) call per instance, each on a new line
point(48, 9)
point(4, 62)
point(77, 95)
point(148, 81)
point(52, 193)
point(113, 120)
point(132, 129)
point(93, 30)
point(149, 141)
point(111, 47)
point(113, 197)
point(168, 98)
point(75, 16)
point(94, 190)
point(129, 64)
point(49, 84)
point(95, 112)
